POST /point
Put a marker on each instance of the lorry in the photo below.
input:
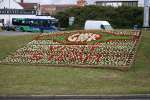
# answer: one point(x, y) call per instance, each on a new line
point(97, 25)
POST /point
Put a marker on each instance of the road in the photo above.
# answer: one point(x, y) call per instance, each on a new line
point(116, 97)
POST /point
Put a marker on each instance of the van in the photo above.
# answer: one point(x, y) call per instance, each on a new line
point(97, 25)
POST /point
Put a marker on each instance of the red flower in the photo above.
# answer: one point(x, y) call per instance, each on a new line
point(37, 56)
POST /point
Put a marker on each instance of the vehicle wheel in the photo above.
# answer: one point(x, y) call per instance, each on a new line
point(22, 29)
point(7, 29)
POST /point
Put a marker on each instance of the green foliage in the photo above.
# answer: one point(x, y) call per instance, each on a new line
point(121, 17)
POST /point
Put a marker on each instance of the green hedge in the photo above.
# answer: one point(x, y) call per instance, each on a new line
point(121, 17)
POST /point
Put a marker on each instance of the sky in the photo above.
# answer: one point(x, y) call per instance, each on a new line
point(62, 1)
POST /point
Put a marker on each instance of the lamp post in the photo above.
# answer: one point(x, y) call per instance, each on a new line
point(146, 13)
point(39, 8)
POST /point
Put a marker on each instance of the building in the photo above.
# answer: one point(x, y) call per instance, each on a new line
point(13, 4)
point(141, 3)
point(53, 9)
point(9, 4)
point(11, 9)
point(117, 3)
point(81, 3)
point(28, 6)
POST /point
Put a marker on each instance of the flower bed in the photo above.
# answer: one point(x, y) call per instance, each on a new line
point(71, 48)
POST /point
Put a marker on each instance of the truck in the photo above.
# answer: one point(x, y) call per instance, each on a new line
point(97, 25)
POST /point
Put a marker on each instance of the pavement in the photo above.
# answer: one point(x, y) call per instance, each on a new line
point(13, 33)
point(103, 97)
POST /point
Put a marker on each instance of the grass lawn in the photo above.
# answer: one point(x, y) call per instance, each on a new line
point(44, 80)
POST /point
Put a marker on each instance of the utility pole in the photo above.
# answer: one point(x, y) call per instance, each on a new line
point(146, 13)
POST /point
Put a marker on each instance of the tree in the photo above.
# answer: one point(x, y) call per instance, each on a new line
point(121, 17)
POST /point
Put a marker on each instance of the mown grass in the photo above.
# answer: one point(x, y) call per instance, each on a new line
point(8, 44)
point(49, 80)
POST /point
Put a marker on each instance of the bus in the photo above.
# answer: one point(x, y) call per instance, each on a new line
point(34, 25)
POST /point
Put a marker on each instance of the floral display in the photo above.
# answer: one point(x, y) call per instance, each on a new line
point(80, 48)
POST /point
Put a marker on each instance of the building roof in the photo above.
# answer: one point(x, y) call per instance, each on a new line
point(52, 9)
point(61, 6)
point(28, 5)
point(10, 4)
point(57, 7)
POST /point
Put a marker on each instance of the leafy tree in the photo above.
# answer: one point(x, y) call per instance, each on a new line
point(120, 17)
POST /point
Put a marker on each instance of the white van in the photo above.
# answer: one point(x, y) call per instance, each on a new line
point(97, 25)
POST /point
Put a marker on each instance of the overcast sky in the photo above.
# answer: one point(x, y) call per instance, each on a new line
point(61, 1)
